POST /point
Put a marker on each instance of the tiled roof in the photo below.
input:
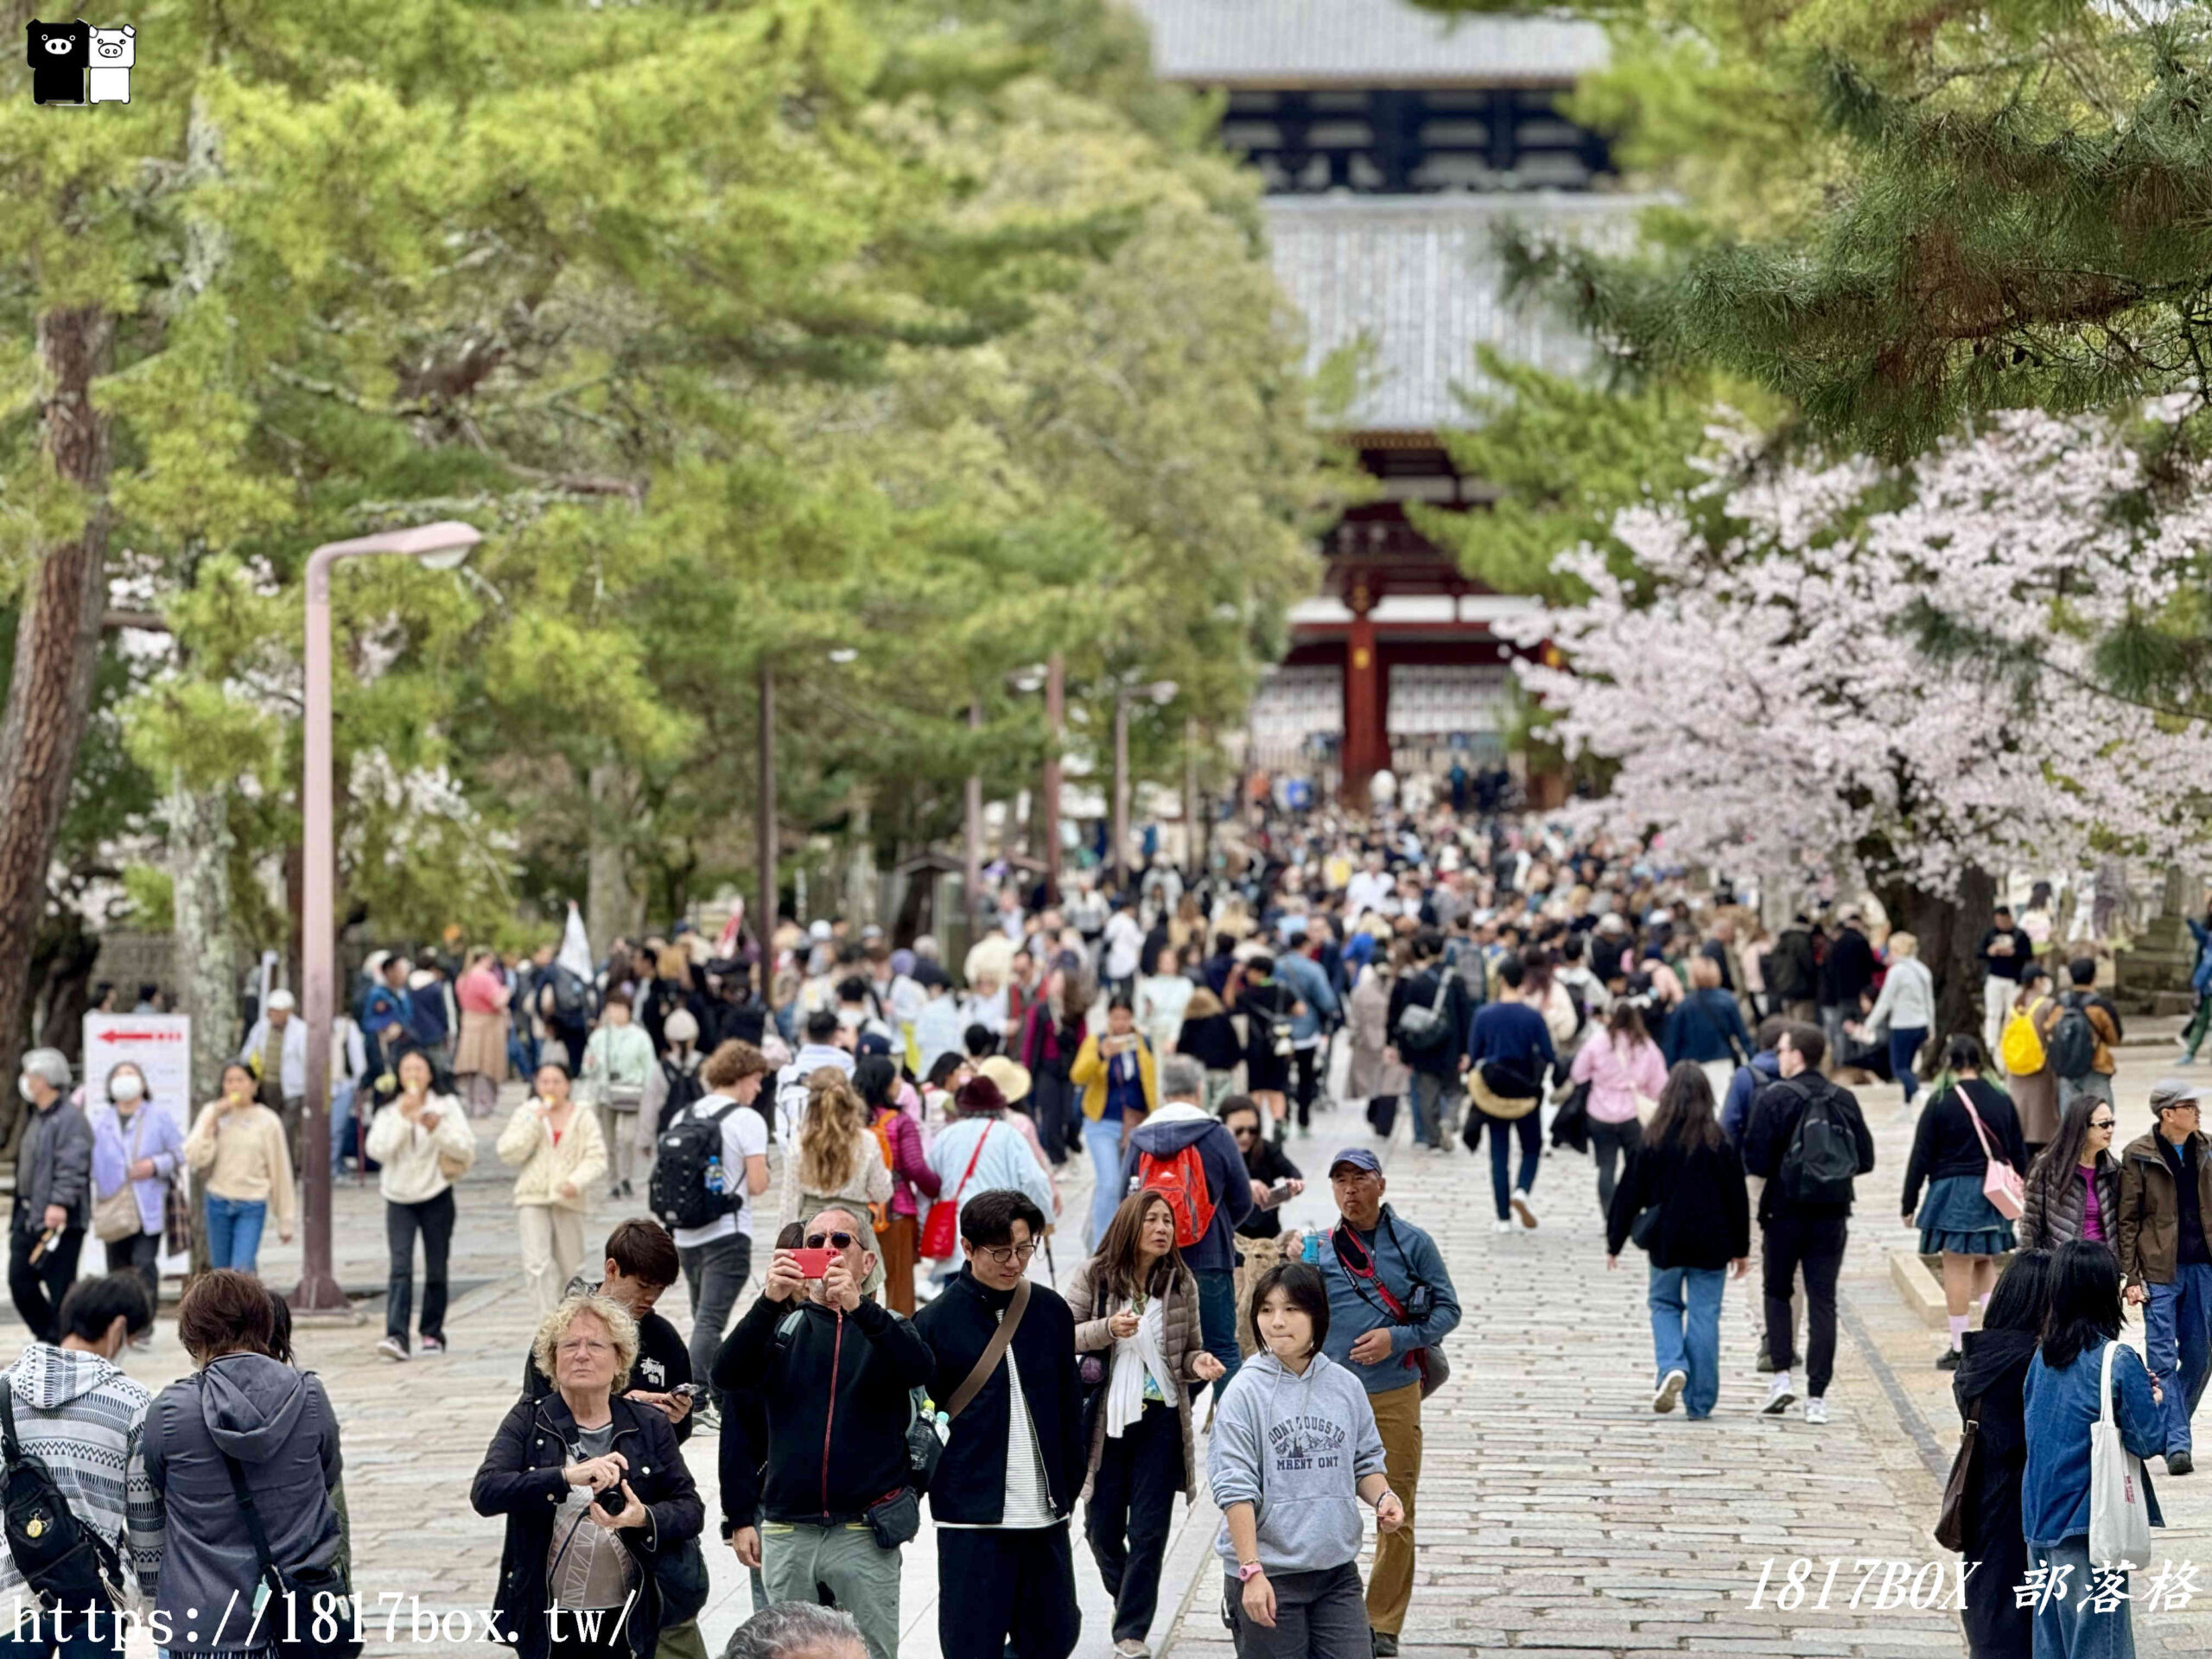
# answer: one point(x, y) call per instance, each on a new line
point(1361, 43)
point(1419, 276)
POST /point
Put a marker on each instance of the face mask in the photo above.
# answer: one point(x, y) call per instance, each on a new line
point(126, 1089)
point(23, 1088)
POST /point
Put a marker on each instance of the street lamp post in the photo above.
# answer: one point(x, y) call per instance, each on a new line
point(442, 547)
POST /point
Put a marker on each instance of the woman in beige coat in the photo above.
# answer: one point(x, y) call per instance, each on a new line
point(1136, 1308)
point(562, 1153)
point(1374, 1074)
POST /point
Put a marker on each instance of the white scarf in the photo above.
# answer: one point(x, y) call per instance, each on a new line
point(1133, 1357)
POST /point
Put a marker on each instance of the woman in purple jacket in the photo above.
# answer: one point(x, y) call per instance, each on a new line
point(137, 1143)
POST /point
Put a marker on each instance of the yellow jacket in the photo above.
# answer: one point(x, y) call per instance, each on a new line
point(1089, 1072)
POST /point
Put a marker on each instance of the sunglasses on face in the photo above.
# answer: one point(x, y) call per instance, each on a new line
point(2101, 1123)
point(834, 1240)
point(1244, 1131)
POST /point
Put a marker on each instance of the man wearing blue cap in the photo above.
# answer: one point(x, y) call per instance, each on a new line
point(1391, 1305)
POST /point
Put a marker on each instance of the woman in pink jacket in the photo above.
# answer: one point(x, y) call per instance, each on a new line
point(1620, 1067)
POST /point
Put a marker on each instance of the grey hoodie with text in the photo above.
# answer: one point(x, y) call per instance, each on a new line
point(1295, 1448)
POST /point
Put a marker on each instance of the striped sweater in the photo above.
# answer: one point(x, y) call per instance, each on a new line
point(83, 1418)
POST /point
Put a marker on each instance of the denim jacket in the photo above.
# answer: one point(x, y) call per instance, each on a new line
point(2061, 1406)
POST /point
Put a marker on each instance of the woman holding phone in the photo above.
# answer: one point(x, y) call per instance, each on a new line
point(424, 1143)
point(1120, 1085)
point(1275, 1180)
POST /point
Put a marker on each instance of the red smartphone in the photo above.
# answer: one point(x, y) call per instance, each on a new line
point(814, 1264)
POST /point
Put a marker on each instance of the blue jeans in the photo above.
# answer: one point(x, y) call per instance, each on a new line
point(2070, 1629)
point(1102, 1142)
point(234, 1232)
point(1427, 1092)
point(1529, 1129)
point(1686, 1331)
point(341, 1114)
point(1904, 1045)
point(2177, 1343)
point(1218, 1319)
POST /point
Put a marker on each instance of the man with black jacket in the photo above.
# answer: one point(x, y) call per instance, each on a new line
point(833, 1368)
point(1792, 972)
point(641, 1264)
point(1015, 1461)
point(1436, 1064)
point(1846, 972)
point(1793, 1121)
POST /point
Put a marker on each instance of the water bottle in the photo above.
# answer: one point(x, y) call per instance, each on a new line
point(1311, 1250)
point(713, 1174)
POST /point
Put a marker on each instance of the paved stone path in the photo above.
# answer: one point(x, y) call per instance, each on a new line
point(1557, 1513)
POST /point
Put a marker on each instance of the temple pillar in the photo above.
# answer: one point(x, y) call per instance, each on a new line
point(1367, 747)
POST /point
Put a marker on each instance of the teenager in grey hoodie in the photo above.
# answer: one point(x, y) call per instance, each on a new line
point(1295, 1450)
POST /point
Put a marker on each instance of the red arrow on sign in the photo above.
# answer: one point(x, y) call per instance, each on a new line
point(140, 1036)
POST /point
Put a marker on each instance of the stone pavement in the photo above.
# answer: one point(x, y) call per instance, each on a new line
point(1557, 1512)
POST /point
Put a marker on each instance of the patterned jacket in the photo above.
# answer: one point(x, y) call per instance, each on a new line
point(86, 1420)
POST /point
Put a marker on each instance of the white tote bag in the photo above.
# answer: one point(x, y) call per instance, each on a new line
point(2119, 1516)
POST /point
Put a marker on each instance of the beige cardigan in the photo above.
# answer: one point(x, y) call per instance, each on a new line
point(242, 1155)
point(410, 1153)
point(580, 1159)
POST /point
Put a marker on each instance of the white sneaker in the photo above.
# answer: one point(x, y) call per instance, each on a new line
point(1817, 1410)
point(1521, 1209)
point(1779, 1395)
point(1504, 1227)
point(1132, 1650)
point(1670, 1389)
point(392, 1348)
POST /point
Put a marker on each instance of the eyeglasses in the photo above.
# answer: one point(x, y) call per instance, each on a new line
point(834, 1240)
point(1007, 1254)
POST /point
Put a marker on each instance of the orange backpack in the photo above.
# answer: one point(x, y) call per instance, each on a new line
point(1182, 1181)
point(879, 1214)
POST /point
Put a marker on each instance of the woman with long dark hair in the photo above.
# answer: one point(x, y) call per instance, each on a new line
point(1989, 1388)
point(1136, 1305)
point(1688, 1171)
point(875, 1076)
point(1965, 1128)
point(2064, 1398)
point(1621, 1067)
point(2074, 1183)
point(1268, 1005)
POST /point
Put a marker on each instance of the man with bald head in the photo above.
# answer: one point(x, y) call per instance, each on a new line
point(832, 1367)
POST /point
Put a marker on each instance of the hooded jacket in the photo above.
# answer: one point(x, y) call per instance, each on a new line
point(1164, 1134)
point(277, 1423)
point(85, 1420)
point(1295, 1448)
point(1991, 1385)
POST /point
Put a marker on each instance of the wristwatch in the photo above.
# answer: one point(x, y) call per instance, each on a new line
point(1247, 1571)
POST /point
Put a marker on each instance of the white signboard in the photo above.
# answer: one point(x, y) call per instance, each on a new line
point(159, 1045)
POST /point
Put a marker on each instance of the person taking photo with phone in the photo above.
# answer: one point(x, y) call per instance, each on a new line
point(832, 1369)
point(1120, 1082)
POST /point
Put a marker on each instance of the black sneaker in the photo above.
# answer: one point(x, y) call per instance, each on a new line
point(1386, 1645)
point(1950, 1361)
point(2179, 1462)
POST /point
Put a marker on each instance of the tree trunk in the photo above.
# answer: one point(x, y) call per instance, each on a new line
point(611, 908)
point(206, 964)
point(57, 649)
point(1949, 931)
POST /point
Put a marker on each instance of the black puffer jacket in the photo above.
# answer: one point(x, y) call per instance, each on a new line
point(521, 1480)
point(2052, 1215)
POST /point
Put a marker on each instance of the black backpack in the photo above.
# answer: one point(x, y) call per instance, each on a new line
point(2071, 1047)
point(1823, 1156)
point(684, 1088)
point(679, 1195)
point(65, 1562)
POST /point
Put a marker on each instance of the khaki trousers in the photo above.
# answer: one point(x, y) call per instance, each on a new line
point(1390, 1587)
point(552, 1250)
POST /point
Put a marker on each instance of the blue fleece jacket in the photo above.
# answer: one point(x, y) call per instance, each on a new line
point(1403, 1254)
point(1164, 1134)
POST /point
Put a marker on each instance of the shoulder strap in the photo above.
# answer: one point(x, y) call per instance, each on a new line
point(2105, 1413)
point(1443, 991)
point(10, 1447)
point(970, 1170)
point(254, 1530)
point(994, 1351)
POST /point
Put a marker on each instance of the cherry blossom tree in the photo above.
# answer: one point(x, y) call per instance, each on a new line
point(1763, 684)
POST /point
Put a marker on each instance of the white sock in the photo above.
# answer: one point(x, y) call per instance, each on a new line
point(1781, 1383)
point(1959, 1323)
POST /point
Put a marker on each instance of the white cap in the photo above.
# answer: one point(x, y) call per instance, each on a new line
point(421, 977)
point(680, 1026)
point(818, 930)
point(281, 1002)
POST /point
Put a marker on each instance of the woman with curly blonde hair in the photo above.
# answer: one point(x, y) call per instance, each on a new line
point(838, 1159)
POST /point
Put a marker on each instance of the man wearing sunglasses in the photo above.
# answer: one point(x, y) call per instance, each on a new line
point(2166, 1199)
point(832, 1369)
point(1391, 1305)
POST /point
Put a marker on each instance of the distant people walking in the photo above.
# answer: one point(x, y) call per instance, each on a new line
point(2082, 1032)
point(1905, 1011)
point(1961, 1135)
point(53, 1205)
point(424, 1143)
point(2029, 1079)
point(1117, 1072)
point(137, 1151)
point(480, 1061)
point(1290, 1534)
point(1991, 1390)
point(2007, 953)
point(556, 1144)
point(1807, 1141)
point(1429, 1017)
point(1624, 1070)
point(618, 1062)
point(2166, 1197)
point(899, 1138)
point(238, 1147)
point(1511, 1055)
point(1275, 1181)
point(1136, 1307)
point(1684, 1202)
point(714, 1224)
